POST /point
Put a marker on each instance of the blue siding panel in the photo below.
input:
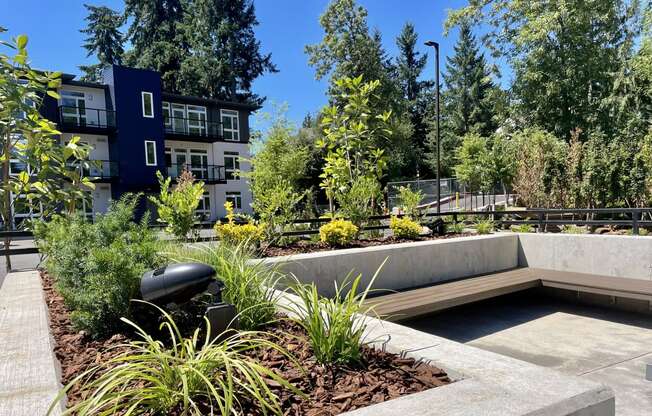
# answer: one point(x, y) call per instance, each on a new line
point(128, 146)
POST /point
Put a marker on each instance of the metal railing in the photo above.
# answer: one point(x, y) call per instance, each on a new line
point(83, 117)
point(206, 173)
point(192, 127)
point(97, 169)
point(539, 218)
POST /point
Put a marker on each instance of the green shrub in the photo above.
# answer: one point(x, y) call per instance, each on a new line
point(455, 227)
point(404, 227)
point(485, 226)
point(335, 326)
point(149, 378)
point(338, 232)
point(234, 234)
point(176, 206)
point(523, 228)
point(97, 266)
point(248, 285)
point(641, 231)
point(409, 201)
point(573, 229)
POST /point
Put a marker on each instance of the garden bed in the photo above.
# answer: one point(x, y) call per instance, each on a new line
point(329, 390)
point(313, 247)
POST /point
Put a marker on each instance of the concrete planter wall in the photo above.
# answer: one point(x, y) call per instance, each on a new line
point(408, 265)
point(411, 265)
point(607, 255)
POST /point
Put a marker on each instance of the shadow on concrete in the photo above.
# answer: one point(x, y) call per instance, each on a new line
point(466, 323)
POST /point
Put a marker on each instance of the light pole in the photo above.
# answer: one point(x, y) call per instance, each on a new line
point(436, 46)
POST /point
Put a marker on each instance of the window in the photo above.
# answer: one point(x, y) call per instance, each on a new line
point(73, 108)
point(196, 120)
point(231, 165)
point(199, 163)
point(17, 163)
point(235, 198)
point(86, 209)
point(148, 104)
point(22, 208)
point(230, 125)
point(178, 118)
point(204, 207)
point(150, 153)
point(166, 115)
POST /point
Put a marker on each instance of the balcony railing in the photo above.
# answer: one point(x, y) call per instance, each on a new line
point(192, 127)
point(86, 118)
point(97, 170)
point(206, 173)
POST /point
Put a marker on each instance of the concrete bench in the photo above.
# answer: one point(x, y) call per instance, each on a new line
point(422, 301)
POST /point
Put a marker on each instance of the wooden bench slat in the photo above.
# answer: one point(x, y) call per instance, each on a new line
point(416, 302)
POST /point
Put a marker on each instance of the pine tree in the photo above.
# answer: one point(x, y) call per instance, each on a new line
point(104, 40)
point(417, 93)
point(226, 57)
point(159, 38)
point(468, 88)
point(410, 63)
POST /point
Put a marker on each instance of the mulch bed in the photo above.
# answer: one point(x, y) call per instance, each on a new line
point(330, 390)
point(304, 246)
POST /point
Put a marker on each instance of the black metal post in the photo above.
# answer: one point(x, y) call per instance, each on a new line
point(636, 215)
point(436, 46)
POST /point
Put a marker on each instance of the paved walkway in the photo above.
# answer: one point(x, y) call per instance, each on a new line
point(600, 344)
point(29, 381)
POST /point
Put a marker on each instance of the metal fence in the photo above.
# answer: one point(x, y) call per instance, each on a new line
point(541, 219)
point(449, 186)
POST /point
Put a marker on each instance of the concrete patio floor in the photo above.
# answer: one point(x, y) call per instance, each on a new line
point(604, 345)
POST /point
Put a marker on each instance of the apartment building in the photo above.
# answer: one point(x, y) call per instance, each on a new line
point(136, 129)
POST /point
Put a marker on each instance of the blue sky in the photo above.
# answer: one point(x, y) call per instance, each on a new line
point(286, 26)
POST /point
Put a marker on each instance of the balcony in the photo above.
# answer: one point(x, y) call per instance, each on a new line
point(210, 174)
point(192, 129)
point(86, 120)
point(98, 170)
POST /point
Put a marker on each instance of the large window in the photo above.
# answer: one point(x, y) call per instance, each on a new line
point(148, 104)
point(185, 119)
point(235, 198)
point(230, 125)
point(231, 165)
point(150, 153)
point(196, 120)
point(73, 108)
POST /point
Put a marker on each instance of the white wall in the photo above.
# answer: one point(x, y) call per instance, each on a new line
point(238, 185)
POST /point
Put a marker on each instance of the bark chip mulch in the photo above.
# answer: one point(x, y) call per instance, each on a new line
point(305, 246)
point(330, 390)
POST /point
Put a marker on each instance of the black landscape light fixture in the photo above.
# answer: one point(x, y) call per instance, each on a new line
point(179, 283)
point(436, 46)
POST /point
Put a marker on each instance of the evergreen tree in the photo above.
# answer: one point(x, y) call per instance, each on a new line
point(417, 93)
point(563, 54)
point(159, 38)
point(226, 56)
point(468, 87)
point(410, 63)
point(348, 50)
point(104, 40)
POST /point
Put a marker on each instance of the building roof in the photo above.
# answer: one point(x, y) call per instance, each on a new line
point(202, 100)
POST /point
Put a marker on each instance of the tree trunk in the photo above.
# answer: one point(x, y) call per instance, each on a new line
point(6, 206)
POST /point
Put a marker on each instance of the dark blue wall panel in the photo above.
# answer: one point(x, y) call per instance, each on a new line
point(133, 129)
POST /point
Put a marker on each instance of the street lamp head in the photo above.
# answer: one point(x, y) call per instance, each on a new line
point(432, 43)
